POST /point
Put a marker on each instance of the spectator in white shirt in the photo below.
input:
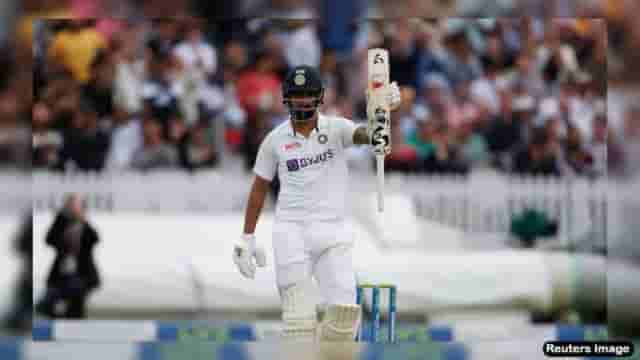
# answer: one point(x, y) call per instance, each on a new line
point(155, 153)
point(199, 61)
point(130, 73)
point(195, 53)
point(126, 139)
point(301, 45)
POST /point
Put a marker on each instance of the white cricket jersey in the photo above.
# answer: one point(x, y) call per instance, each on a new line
point(312, 171)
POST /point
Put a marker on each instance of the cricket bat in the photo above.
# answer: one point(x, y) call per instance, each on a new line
point(378, 112)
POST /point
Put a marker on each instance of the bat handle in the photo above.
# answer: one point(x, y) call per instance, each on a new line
point(380, 178)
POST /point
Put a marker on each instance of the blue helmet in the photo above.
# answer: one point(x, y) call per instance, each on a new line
point(303, 81)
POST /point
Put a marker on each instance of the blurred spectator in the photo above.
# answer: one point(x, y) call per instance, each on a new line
point(197, 149)
point(538, 157)
point(461, 63)
point(598, 144)
point(198, 62)
point(404, 56)
point(126, 139)
point(484, 89)
point(259, 92)
point(85, 142)
point(463, 109)
point(574, 107)
point(337, 29)
point(496, 53)
point(438, 97)
point(504, 132)
point(73, 275)
point(557, 59)
point(270, 44)
point(129, 72)
point(155, 153)
point(430, 57)
point(221, 9)
point(235, 61)
point(99, 89)
point(75, 47)
point(606, 147)
point(258, 87)
point(594, 60)
point(280, 9)
point(299, 43)
point(178, 130)
point(163, 38)
point(526, 74)
point(62, 96)
point(421, 138)
point(331, 77)
point(473, 146)
point(577, 156)
point(194, 52)
point(447, 157)
point(161, 9)
point(631, 140)
point(161, 92)
point(524, 109)
point(406, 115)
point(46, 141)
point(436, 150)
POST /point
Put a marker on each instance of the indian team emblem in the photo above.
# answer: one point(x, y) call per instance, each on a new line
point(323, 138)
point(299, 79)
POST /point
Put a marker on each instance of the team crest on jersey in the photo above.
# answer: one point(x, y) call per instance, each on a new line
point(323, 138)
point(291, 146)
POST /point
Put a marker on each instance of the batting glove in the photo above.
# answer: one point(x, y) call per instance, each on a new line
point(393, 96)
point(381, 141)
point(245, 252)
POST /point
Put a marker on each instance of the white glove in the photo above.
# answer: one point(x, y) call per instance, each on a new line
point(244, 253)
point(393, 96)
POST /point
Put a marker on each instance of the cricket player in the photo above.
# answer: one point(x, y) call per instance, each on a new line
point(309, 235)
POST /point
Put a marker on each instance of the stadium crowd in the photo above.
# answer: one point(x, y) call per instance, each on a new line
point(517, 95)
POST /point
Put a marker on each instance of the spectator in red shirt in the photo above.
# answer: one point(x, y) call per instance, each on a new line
point(258, 92)
point(259, 87)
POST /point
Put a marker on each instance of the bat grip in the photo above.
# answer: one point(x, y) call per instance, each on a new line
point(380, 180)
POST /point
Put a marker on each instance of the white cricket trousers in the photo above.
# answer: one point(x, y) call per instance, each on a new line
point(319, 249)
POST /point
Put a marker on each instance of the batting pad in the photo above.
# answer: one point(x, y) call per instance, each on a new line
point(298, 311)
point(340, 323)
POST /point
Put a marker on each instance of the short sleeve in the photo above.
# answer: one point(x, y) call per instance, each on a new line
point(266, 161)
point(346, 128)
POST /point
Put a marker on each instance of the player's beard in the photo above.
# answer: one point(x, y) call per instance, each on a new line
point(303, 116)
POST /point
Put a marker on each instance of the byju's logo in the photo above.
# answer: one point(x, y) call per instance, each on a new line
point(297, 164)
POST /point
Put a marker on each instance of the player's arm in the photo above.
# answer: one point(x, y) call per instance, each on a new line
point(247, 249)
point(265, 170)
point(259, 191)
